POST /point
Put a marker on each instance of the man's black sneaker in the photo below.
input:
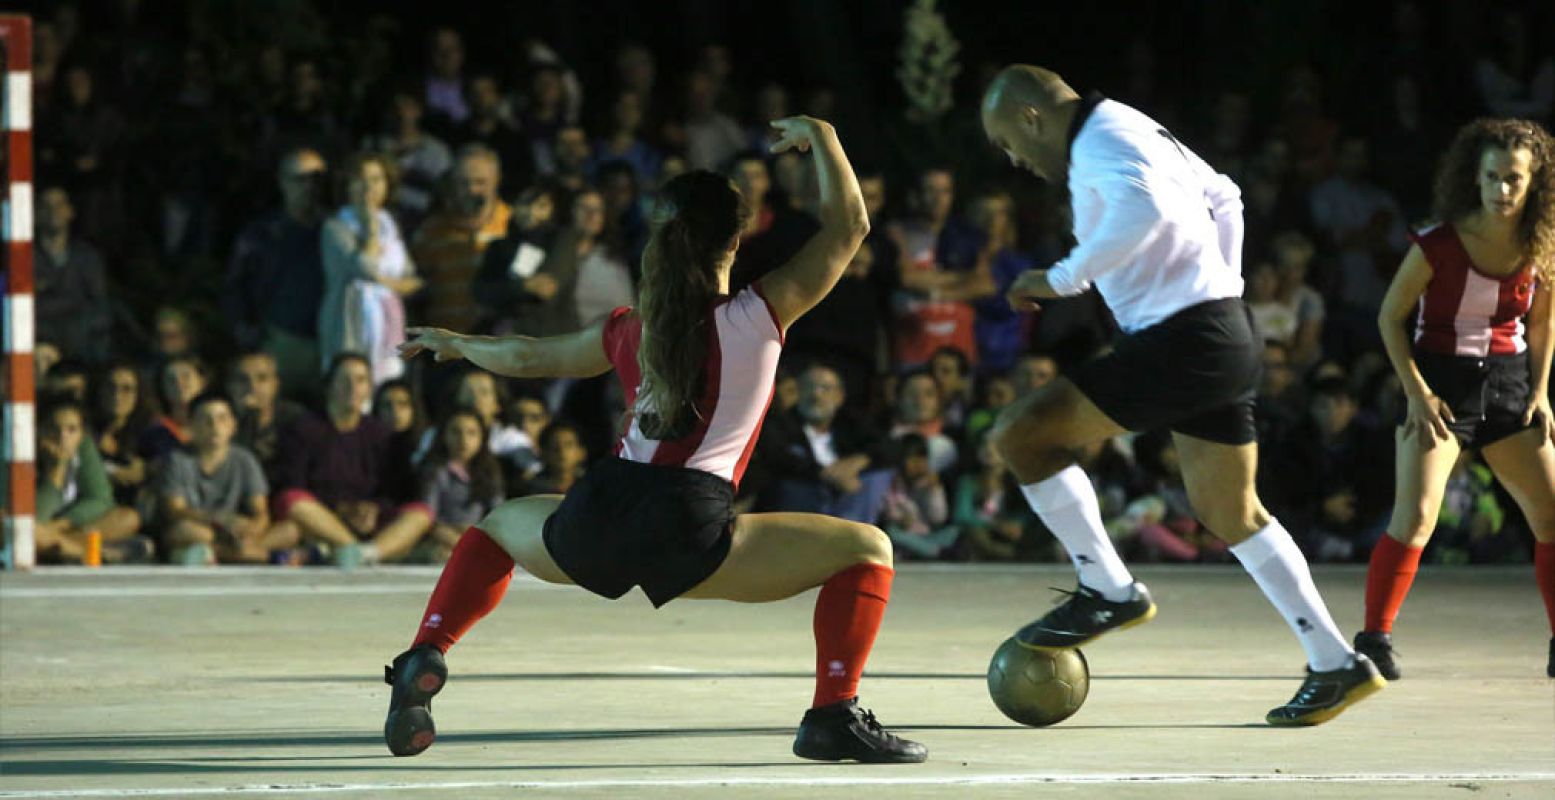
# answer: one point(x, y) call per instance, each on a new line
point(1549, 668)
point(1323, 695)
point(416, 675)
point(1378, 647)
point(1085, 615)
point(844, 732)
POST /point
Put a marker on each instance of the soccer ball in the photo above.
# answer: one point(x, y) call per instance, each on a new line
point(1037, 687)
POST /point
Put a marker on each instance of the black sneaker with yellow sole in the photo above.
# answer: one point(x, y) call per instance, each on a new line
point(1085, 615)
point(844, 732)
point(1378, 647)
point(416, 675)
point(1324, 695)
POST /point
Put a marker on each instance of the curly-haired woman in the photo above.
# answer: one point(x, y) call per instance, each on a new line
point(1478, 372)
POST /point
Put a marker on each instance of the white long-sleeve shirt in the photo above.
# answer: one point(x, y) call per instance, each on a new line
point(1158, 229)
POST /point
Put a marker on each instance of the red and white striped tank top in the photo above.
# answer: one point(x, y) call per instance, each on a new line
point(742, 356)
point(1464, 311)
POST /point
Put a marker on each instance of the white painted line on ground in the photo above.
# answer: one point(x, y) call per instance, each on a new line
point(220, 590)
point(863, 780)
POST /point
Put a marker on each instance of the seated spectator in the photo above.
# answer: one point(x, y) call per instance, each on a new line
point(275, 277)
point(573, 157)
point(545, 113)
point(1363, 223)
point(337, 479)
point(367, 272)
point(773, 233)
point(75, 497)
point(952, 371)
point(69, 378)
point(527, 281)
point(443, 80)
point(449, 247)
point(816, 459)
point(563, 460)
point(710, 138)
point(179, 381)
point(850, 327)
point(491, 125)
point(1335, 473)
point(626, 219)
point(254, 386)
point(421, 158)
point(478, 391)
point(623, 140)
point(70, 283)
point(396, 405)
point(1001, 331)
point(214, 494)
point(917, 412)
point(995, 392)
point(1292, 259)
point(604, 282)
point(1032, 371)
point(989, 510)
point(532, 416)
point(123, 409)
point(461, 482)
point(916, 514)
point(942, 270)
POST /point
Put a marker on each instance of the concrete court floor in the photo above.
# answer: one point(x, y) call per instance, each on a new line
point(245, 683)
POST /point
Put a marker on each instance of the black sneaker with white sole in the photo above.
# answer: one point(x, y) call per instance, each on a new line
point(416, 675)
point(844, 732)
point(1085, 615)
point(1378, 647)
point(1323, 695)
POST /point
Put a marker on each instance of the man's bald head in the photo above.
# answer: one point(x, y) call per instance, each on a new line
point(1026, 110)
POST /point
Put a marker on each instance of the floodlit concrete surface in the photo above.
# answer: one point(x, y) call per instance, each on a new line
point(264, 683)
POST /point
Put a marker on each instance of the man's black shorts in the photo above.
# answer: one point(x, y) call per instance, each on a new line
point(1195, 372)
point(627, 524)
point(1488, 395)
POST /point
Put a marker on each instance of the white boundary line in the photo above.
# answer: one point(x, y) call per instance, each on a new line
point(926, 780)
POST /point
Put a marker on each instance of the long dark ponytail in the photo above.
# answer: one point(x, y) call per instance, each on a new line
point(698, 219)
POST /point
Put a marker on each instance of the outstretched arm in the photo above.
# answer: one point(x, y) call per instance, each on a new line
point(797, 286)
point(572, 355)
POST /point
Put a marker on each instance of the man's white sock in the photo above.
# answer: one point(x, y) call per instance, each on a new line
point(1067, 504)
point(1276, 563)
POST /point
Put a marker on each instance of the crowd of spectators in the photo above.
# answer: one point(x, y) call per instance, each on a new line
point(228, 255)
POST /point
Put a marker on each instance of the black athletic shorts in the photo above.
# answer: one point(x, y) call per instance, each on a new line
point(627, 524)
point(1195, 372)
point(1487, 395)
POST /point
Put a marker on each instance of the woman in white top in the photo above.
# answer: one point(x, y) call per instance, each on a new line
point(367, 270)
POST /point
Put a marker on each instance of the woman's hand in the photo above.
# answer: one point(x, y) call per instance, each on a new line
point(1428, 417)
point(442, 344)
point(797, 133)
point(1539, 403)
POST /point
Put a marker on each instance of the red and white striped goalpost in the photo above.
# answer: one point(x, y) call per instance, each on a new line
point(18, 446)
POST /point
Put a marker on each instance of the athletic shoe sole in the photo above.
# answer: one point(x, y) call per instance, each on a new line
point(409, 729)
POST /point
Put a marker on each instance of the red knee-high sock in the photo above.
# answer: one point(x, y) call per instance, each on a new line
point(847, 616)
point(472, 584)
point(1544, 573)
point(1388, 578)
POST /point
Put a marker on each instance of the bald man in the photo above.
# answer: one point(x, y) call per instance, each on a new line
point(1160, 237)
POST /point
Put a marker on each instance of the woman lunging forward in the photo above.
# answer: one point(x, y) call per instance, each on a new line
point(698, 369)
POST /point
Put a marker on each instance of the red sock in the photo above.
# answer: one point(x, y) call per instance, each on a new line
point(1392, 572)
point(1544, 573)
point(847, 616)
point(472, 584)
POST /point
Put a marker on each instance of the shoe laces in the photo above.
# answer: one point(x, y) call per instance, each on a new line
point(1068, 604)
point(1310, 689)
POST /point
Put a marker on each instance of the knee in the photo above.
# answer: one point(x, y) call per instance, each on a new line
point(871, 545)
point(185, 532)
point(1030, 449)
point(1413, 524)
point(1230, 519)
